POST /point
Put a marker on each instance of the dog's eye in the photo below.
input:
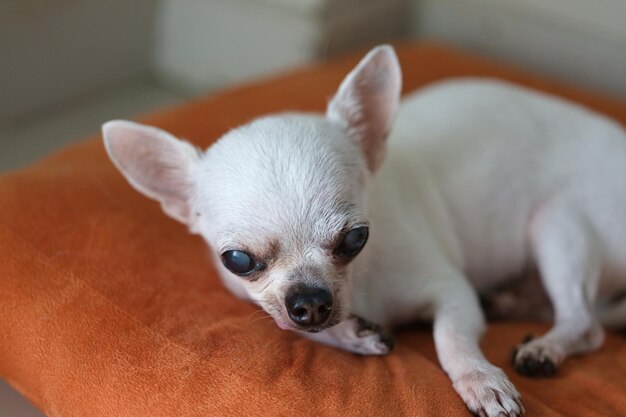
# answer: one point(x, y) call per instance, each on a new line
point(240, 263)
point(352, 243)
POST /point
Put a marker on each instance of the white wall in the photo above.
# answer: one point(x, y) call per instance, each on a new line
point(54, 50)
point(202, 44)
point(579, 41)
point(51, 51)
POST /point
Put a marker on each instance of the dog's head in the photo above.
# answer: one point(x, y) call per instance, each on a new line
point(282, 200)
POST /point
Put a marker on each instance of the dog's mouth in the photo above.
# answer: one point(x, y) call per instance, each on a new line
point(314, 329)
point(287, 324)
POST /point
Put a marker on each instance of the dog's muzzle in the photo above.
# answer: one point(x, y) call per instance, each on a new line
point(309, 307)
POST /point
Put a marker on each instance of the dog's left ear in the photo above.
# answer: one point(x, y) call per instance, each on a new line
point(367, 100)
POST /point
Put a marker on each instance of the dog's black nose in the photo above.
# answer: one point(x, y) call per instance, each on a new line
point(309, 306)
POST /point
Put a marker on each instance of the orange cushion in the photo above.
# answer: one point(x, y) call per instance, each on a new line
point(109, 308)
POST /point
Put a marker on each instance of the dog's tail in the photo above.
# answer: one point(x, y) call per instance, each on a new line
point(614, 314)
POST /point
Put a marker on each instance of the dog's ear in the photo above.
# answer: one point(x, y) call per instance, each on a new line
point(367, 101)
point(154, 162)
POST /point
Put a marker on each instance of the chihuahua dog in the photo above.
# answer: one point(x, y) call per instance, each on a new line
point(481, 180)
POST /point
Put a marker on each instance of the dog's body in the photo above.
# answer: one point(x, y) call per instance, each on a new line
point(473, 169)
point(482, 180)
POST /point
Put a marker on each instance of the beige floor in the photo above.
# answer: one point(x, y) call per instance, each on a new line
point(28, 139)
point(12, 404)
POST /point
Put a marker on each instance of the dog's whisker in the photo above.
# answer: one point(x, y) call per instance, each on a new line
point(266, 286)
point(255, 313)
point(356, 274)
point(262, 318)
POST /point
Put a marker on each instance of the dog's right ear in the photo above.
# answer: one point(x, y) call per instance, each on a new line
point(367, 100)
point(155, 163)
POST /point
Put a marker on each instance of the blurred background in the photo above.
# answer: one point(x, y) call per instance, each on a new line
point(66, 66)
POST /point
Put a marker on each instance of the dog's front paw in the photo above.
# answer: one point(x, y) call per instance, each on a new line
point(489, 393)
point(370, 338)
point(538, 357)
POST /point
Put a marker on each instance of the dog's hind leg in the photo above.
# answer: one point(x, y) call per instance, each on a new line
point(567, 252)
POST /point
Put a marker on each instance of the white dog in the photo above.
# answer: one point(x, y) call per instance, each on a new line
point(482, 179)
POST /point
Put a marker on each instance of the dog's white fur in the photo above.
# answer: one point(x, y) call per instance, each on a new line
point(482, 179)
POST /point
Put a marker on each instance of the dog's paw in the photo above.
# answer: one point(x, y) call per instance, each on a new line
point(489, 393)
point(537, 357)
point(370, 338)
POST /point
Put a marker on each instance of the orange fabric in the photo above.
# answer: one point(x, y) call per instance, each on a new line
point(109, 308)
